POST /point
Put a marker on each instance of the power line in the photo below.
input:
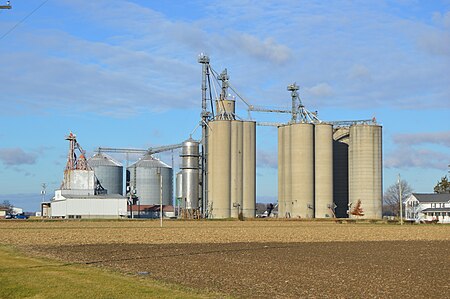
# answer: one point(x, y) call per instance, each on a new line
point(23, 20)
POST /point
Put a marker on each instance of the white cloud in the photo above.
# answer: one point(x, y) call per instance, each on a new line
point(16, 156)
point(266, 159)
point(321, 90)
point(413, 150)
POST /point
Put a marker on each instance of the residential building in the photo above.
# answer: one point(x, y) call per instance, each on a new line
point(428, 207)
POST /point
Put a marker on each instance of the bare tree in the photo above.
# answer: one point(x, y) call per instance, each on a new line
point(391, 204)
point(7, 205)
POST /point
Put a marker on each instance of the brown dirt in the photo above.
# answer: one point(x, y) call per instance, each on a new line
point(294, 270)
point(283, 259)
point(188, 232)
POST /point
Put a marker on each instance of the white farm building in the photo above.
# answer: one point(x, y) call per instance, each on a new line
point(428, 207)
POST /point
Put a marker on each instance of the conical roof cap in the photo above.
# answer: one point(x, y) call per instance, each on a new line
point(148, 161)
point(101, 159)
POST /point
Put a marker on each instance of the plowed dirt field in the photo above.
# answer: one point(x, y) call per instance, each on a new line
point(264, 259)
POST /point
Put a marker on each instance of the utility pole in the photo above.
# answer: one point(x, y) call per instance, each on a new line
point(400, 198)
point(160, 198)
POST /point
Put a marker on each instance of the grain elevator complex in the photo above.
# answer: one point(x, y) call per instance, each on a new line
point(326, 169)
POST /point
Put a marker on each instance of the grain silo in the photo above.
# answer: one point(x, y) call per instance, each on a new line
point(190, 174)
point(340, 171)
point(249, 169)
point(296, 170)
point(219, 168)
point(144, 176)
point(231, 164)
point(323, 171)
point(365, 169)
point(236, 202)
point(178, 188)
point(287, 171)
point(302, 170)
point(108, 172)
point(281, 174)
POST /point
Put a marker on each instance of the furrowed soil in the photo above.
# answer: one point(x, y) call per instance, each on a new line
point(264, 259)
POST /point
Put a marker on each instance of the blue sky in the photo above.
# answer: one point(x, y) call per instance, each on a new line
point(125, 74)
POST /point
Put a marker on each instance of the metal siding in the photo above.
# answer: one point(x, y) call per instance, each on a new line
point(179, 185)
point(147, 182)
point(190, 170)
point(110, 177)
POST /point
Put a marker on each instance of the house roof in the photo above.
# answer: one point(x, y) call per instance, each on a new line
point(152, 208)
point(105, 196)
point(432, 197)
point(436, 210)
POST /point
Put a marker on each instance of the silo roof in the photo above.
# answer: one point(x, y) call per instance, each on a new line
point(101, 159)
point(148, 161)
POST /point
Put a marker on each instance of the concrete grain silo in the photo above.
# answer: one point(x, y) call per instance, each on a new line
point(365, 169)
point(108, 172)
point(249, 169)
point(237, 140)
point(219, 168)
point(302, 170)
point(323, 170)
point(281, 174)
point(285, 198)
point(231, 160)
point(340, 171)
point(144, 176)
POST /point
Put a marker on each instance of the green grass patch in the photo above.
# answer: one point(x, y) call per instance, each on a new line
point(26, 277)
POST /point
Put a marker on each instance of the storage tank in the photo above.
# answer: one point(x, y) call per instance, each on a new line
point(178, 188)
point(219, 168)
point(144, 176)
point(109, 172)
point(236, 201)
point(323, 171)
point(365, 169)
point(190, 174)
point(340, 171)
point(281, 174)
point(249, 169)
point(287, 171)
point(225, 107)
point(302, 170)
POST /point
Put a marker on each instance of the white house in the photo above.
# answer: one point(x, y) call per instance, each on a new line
point(428, 207)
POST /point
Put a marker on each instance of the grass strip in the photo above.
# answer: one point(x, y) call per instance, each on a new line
point(28, 277)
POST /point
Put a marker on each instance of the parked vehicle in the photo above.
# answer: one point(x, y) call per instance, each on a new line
point(8, 216)
point(21, 216)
